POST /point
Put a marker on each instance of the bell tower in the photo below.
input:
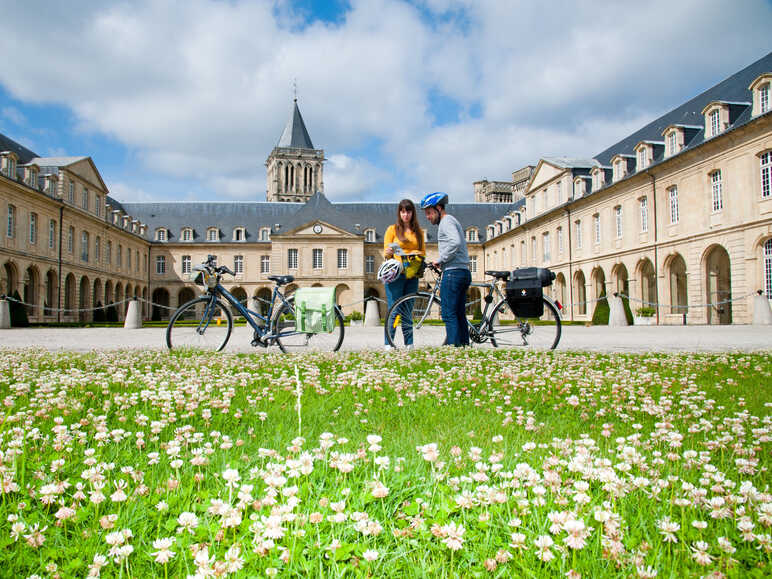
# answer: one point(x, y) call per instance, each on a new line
point(295, 170)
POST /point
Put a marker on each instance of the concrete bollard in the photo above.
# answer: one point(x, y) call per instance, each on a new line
point(762, 315)
point(616, 316)
point(5, 315)
point(372, 317)
point(133, 316)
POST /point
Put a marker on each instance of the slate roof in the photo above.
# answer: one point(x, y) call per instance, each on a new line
point(24, 154)
point(295, 135)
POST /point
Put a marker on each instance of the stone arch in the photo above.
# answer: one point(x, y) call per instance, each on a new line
point(52, 289)
point(717, 269)
point(580, 293)
point(31, 290)
point(129, 291)
point(317, 284)
point(118, 295)
point(289, 289)
point(69, 295)
point(620, 279)
point(263, 297)
point(375, 292)
point(108, 292)
point(559, 289)
point(10, 279)
point(96, 293)
point(84, 301)
point(343, 296)
point(598, 277)
point(675, 267)
point(160, 304)
point(647, 286)
point(240, 294)
point(474, 303)
point(185, 295)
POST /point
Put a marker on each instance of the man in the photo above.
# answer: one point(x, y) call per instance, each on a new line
point(454, 261)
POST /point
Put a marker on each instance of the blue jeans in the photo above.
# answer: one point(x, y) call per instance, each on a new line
point(454, 284)
point(395, 290)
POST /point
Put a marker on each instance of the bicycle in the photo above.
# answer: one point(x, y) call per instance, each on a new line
point(206, 322)
point(419, 319)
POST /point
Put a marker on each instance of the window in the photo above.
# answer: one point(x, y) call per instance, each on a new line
point(370, 235)
point(766, 175)
point(238, 234)
point(160, 264)
point(160, 234)
point(618, 220)
point(212, 234)
point(578, 231)
point(51, 234)
point(533, 249)
point(33, 228)
point(560, 240)
point(265, 264)
point(136, 261)
point(619, 170)
point(119, 256)
point(523, 257)
point(673, 201)
point(186, 264)
point(84, 246)
point(370, 264)
point(596, 227)
point(85, 199)
point(764, 98)
point(642, 158)
point(71, 193)
point(9, 166)
point(715, 122)
point(545, 241)
point(473, 263)
point(128, 258)
point(11, 229)
point(716, 191)
point(768, 268)
point(98, 203)
point(187, 234)
point(71, 240)
point(317, 261)
point(292, 259)
point(97, 249)
point(672, 143)
point(343, 259)
point(265, 234)
point(559, 192)
point(471, 234)
point(109, 252)
point(644, 214)
point(238, 264)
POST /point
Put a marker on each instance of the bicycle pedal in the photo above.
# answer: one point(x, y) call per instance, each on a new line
point(259, 342)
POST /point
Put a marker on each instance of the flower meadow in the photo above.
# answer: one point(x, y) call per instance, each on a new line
point(428, 463)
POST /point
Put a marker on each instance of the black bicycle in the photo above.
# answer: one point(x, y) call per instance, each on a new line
point(418, 316)
point(206, 322)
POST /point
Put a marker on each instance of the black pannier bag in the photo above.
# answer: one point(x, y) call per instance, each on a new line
point(524, 291)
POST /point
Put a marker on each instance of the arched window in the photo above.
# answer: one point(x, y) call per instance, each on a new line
point(768, 268)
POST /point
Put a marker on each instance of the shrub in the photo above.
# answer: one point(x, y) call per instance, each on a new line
point(628, 311)
point(602, 311)
point(355, 316)
point(645, 311)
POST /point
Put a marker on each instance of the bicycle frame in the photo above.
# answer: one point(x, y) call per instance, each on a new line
point(248, 314)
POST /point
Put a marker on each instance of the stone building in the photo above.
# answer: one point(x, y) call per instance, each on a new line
point(677, 215)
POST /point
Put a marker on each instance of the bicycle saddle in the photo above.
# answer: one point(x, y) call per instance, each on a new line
point(498, 274)
point(282, 279)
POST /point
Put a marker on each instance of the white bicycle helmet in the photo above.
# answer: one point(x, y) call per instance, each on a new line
point(390, 270)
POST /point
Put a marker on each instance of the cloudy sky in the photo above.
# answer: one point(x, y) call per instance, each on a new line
point(185, 100)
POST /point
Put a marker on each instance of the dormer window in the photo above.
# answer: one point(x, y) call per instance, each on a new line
point(598, 178)
point(715, 122)
point(644, 155)
point(471, 234)
point(187, 234)
point(579, 187)
point(265, 234)
point(212, 234)
point(508, 223)
point(760, 88)
point(619, 165)
point(672, 142)
point(370, 235)
point(716, 118)
point(31, 176)
point(51, 184)
point(239, 234)
point(491, 232)
point(8, 165)
point(161, 234)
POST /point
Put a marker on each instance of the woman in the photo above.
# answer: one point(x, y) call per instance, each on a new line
point(408, 234)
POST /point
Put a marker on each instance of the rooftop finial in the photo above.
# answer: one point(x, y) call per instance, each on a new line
point(295, 88)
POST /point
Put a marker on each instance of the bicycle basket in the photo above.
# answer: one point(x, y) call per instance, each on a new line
point(414, 266)
point(524, 291)
point(204, 277)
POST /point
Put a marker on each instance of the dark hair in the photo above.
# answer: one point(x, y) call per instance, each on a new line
point(399, 227)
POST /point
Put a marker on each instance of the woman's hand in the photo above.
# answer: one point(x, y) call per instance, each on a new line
point(388, 253)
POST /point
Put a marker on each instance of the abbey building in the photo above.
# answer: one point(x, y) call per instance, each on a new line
point(677, 215)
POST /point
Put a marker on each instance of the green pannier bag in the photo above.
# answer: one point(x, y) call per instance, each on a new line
point(315, 310)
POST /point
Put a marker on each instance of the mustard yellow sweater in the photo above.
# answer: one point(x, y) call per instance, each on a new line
point(410, 245)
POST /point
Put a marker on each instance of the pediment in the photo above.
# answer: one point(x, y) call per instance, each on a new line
point(86, 170)
point(319, 228)
point(544, 172)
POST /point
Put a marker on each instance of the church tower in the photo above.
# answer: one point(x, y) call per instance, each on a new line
point(294, 168)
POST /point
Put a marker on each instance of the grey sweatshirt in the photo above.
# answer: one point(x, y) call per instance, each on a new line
point(451, 243)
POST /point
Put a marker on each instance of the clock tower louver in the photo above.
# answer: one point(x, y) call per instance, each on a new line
point(294, 168)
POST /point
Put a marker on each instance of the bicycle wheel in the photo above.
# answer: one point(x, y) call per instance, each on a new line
point(508, 330)
point(203, 323)
point(418, 318)
point(290, 340)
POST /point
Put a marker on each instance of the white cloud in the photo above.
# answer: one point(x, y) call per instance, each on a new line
point(202, 90)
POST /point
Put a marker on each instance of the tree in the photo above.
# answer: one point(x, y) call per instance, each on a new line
point(602, 311)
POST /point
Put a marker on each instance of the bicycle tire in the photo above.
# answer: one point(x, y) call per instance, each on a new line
point(288, 340)
point(424, 330)
point(507, 330)
point(194, 325)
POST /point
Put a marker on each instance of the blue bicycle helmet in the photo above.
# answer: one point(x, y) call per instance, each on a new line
point(433, 199)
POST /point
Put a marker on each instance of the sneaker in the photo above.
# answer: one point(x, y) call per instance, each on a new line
point(409, 346)
point(388, 347)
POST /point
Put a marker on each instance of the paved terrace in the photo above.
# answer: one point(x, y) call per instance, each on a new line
point(631, 339)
